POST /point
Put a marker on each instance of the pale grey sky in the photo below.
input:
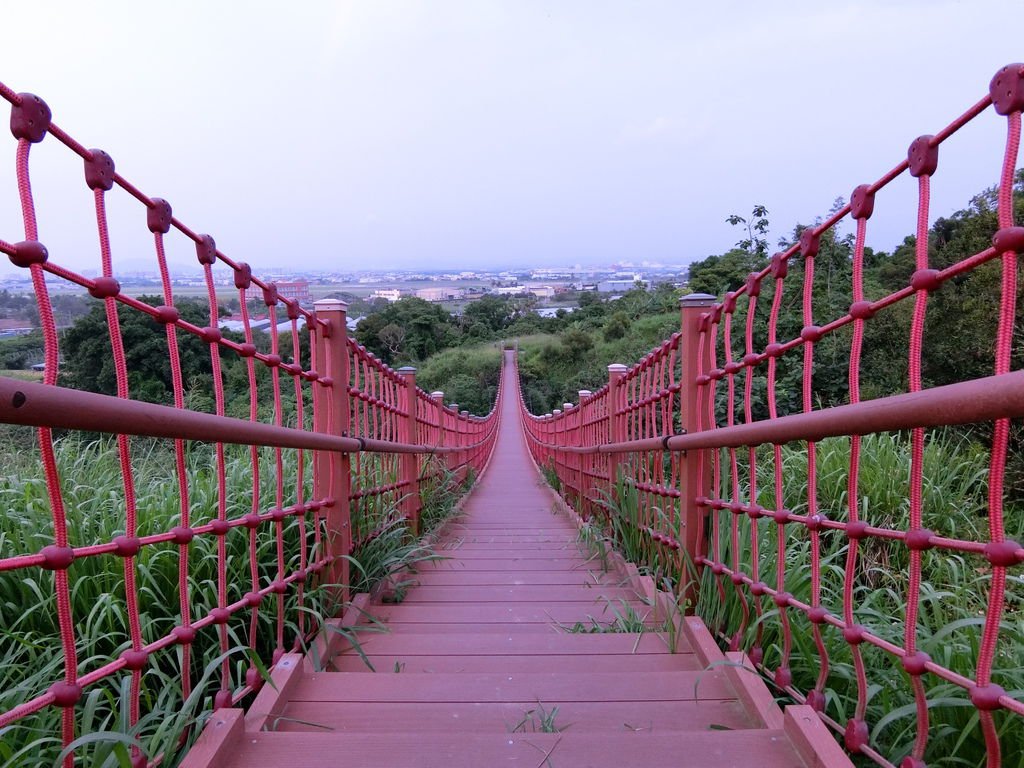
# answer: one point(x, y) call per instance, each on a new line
point(476, 132)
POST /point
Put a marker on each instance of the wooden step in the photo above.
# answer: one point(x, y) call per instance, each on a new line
point(508, 717)
point(523, 552)
point(693, 749)
point(581, 565)
point(547, 594)
point(470, 644)
point(552, 615)
point(555, 544)
point(411, 662)
point(449, 577)
point(704, 685)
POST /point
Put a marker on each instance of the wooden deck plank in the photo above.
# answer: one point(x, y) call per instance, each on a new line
point(526, 686)
point(450, 578)
point(722, 749)
point(578, 565)
point(524, 552)
point(561, 593)
point(491, 644)
point(488, 613)
point(391, 718)
point(410, 662)
point(220, 738)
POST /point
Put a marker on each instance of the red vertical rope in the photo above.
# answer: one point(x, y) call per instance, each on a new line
point(783, 675)
point(252, 674)
point(318, 365)
point(1000, 439)
point(275, 349)
point(917, 467)
point(734, 476)
point(223, 696)
point(716, 468)
point(178, 392)
point(756, 652)
point(816, 697)
point(856, 734)
point(300, 423)
point(65, 619)
point(124, 456)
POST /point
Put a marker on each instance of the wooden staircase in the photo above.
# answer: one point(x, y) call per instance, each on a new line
point(480, 665)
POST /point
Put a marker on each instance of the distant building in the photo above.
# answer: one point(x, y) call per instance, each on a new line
point(544, 292)
point(512, 290)
point(294, 289)
point(286, 289)
point(234, 322)
point(440, 294)
point(388, 294)
point(620, 286)
point(14, 327)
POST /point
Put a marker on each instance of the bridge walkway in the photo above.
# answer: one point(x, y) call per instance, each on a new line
point(501, 653)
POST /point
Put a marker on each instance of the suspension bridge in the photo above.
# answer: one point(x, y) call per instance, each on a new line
point(528, 640)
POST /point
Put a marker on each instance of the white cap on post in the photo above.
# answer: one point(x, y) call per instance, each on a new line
point(696, 300)
point(327, 305)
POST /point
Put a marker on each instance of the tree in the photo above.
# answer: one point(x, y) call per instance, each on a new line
point(756, 241)
point(419, 330)
point(19, 352)
point(718, 274)
point(392, 336)
point(89, 361)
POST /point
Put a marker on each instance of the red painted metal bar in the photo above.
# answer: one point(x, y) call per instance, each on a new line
point(678, 431)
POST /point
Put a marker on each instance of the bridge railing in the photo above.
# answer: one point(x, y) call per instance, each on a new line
point(336, 448)
point(674, 450)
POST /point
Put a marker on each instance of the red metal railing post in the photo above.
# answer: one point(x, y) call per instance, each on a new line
point(334, 476)
point(582, 481)
point(466, 440)
point(695, 478)
point(458, 456)
point(568, 459)
point(438, 399)
point(616, 434)
point(410, 461)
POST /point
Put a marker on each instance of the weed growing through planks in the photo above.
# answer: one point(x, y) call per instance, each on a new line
point(539, 720)
point(593, 544)
point(551, 476)
point(625, 620)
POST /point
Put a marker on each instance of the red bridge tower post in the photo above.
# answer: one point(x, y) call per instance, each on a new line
point(694, 481)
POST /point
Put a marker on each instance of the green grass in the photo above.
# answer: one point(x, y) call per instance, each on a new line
point(954, 590)
point(22, 375)
point(953, 593)
point(30, 658)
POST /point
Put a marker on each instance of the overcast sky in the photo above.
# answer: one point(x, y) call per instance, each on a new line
point(473, 133)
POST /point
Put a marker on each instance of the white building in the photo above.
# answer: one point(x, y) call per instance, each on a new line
point(388, 294)
point(620, 286)
point(440, 294)
point(512, 290)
